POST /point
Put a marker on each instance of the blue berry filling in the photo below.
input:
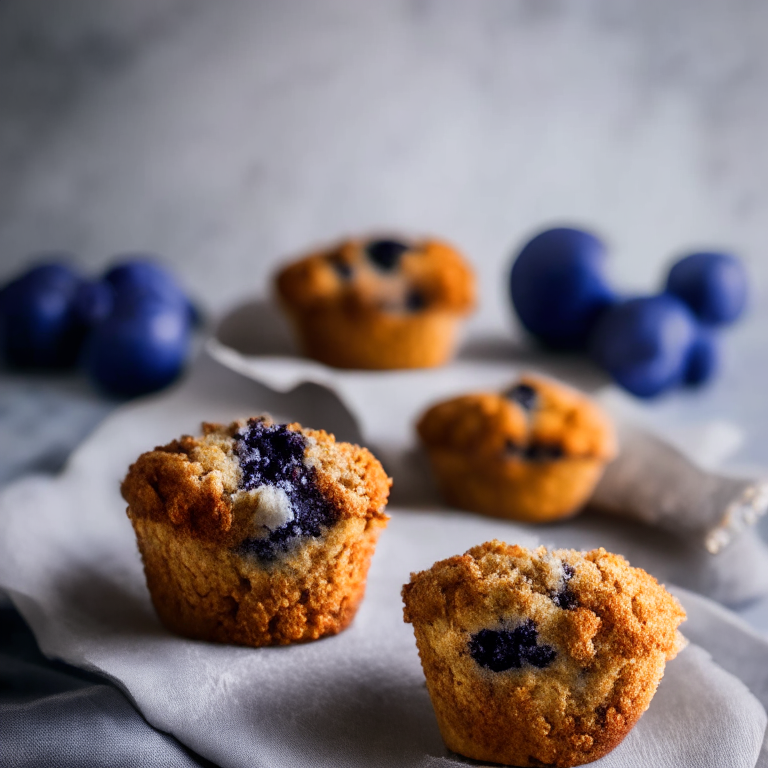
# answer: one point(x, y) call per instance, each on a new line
point(564, 598)
point(534, 451)
point(542, 452)
point(271, 454)
point(415, 301)
point(500, 650)
point(340, 267)
point(522, 394)
point(385, 254)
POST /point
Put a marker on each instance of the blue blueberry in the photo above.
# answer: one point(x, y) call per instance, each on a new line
point(564, 598)
point(38, 325)
point(269, 454)
point(140, 278)
point(139, 270)
point(500, 650)
point(644, 343)
point(56, 272)
point(342, 268)
point(274, 455)
point(558, 287)
point(386, 254)
point(543, 452)
point(415, 301)
point(522, 394)
point(713, 285)
point(138, 348)
point(703, 358)
point(94, 301)
point(534, 451)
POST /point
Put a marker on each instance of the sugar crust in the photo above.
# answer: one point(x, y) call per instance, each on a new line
point(611, 651)
point(468, 441)
point(189, 516)
point(362, 322)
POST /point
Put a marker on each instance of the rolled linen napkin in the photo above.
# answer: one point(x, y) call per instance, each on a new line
point(654, 482)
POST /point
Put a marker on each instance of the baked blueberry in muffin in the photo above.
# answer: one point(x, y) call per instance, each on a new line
point(534, 452)
point(540, 657)
point(378, 303)
point(257, 533)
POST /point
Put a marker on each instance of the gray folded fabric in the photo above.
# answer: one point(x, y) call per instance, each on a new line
point(53, 714)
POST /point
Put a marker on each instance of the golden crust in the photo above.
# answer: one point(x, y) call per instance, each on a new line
point(478, 446)
point(486, 422)
point(362, 321)
point(208, 592)
point(611, 644)
point(435, 268)
point(190, 517)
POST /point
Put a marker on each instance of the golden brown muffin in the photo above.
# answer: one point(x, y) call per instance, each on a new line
point(257, 533)
point(540, 658)
point(378, 303)
point(533, 453)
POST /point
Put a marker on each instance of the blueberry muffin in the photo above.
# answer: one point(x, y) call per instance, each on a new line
point(378, 303)
point(257, 533)
point(532, 453)
point(540, 658)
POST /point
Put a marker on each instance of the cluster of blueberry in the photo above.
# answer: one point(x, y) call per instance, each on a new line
point(648, 344)
point(271, 454)
point(131, 330)
point(500, 650)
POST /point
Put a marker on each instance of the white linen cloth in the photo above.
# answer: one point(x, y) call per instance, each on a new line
point(68, 560)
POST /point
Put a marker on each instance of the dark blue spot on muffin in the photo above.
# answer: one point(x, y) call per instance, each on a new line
point(522, 394)
point(541, 656)
point(385, 254)
point(415, 301)
point(533, 451)
point(272, 454)
point(543, 452)
point(500, 650)
point(564, 598)
point(341, 267)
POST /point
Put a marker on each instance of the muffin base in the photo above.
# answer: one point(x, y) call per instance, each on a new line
point(535, 492)
point(208, 592)
point(501, 721)
point(376, 340)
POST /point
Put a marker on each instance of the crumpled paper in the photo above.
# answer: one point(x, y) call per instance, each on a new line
point(68, 560)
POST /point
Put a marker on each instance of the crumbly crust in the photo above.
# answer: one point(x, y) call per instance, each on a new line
point(362, 320)
point(431, 266)
point(189, 517)
point(484, 424)
point(477, 446)
point(610, 643)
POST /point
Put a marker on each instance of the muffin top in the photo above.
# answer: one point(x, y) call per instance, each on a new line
point(574, 641)
point(588, 607)
point(382, 275)
point(536, 419)
point(256, 486)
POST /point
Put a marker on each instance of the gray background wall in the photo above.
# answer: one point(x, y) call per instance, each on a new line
point(228, 135)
